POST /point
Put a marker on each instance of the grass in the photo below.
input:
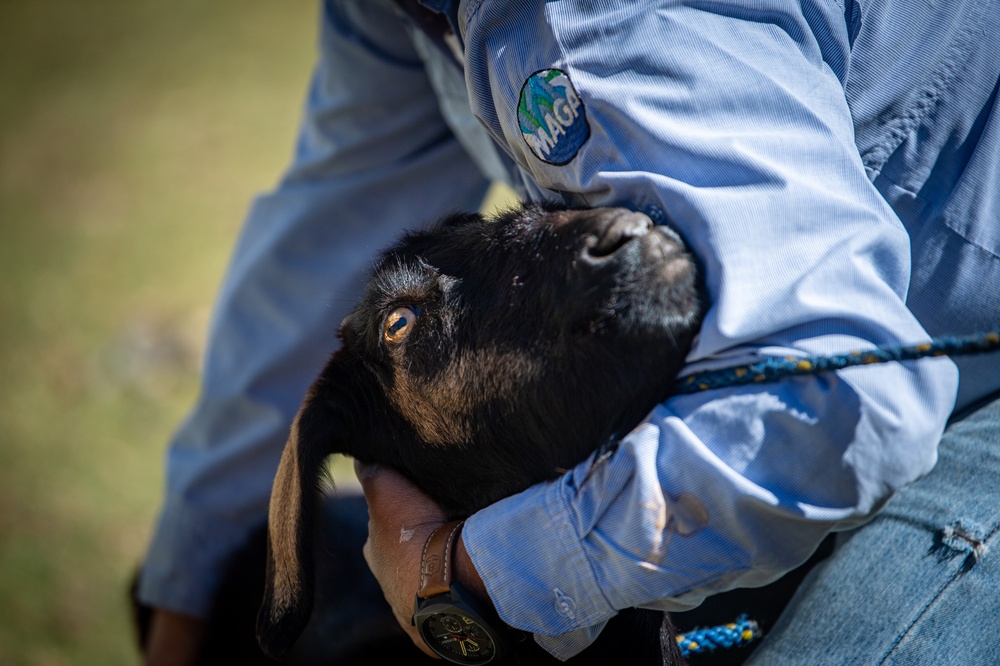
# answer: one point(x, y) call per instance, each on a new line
point(132, 137)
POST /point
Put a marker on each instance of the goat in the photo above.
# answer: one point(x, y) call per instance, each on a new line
point(487, 355)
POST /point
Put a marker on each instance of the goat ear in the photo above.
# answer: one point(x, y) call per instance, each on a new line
point(319, 429)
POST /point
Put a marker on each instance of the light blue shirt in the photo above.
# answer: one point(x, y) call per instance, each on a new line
point(835, 170)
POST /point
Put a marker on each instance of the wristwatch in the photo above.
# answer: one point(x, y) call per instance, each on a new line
point(452, 622)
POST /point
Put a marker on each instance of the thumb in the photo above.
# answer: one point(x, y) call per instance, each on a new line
point(390, 495)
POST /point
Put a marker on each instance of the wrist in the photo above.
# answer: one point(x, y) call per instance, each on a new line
point(453, 621)
point(467, 575)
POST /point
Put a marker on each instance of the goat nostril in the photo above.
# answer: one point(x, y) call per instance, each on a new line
point(615, 235)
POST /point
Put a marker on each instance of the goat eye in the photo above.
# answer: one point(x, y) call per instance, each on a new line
point(399, 323)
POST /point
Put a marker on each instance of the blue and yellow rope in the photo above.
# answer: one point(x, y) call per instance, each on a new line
point(775, 367)
point(734, 634)
point(744, 630)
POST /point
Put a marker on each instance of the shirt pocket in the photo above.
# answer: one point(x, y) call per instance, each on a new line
point(925, 113)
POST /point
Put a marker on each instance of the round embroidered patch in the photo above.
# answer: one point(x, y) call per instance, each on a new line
point(552, 117)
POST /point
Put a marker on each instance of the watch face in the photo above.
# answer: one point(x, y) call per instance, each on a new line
point(458, 638)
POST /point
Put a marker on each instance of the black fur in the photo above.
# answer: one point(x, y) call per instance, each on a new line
point(540, 336)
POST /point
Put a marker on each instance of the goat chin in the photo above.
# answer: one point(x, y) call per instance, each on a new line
point(485, 355)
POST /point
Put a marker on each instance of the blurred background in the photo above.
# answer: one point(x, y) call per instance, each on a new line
point(133, 134)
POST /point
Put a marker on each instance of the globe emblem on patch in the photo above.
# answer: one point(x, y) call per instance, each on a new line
point(552, 117)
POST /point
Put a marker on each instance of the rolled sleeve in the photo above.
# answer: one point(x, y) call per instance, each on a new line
point(364, 170)
point(711, 492)
point(730, 124)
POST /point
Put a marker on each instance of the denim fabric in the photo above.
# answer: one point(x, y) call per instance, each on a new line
point(919, 584)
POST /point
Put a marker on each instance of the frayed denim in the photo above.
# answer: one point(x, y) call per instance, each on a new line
point(920, 584)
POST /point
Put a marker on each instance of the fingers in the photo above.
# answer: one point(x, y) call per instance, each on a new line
point(366, 550)
point(407, 625)
point(391, 592)
point(363, 470)
point(400, 518)
point(392, 497)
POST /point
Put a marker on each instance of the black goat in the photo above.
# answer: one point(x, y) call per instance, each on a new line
point(485, 356)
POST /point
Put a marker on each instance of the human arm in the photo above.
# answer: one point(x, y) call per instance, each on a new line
point(401, 518)
point(374, 157)
point(731, 124)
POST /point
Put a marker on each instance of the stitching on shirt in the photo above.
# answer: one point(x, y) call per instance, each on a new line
point(942, 219)
point(566, 514)
point(902, 126)
point(471, 10)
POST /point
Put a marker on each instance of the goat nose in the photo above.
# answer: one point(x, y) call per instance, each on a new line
point(618, 229)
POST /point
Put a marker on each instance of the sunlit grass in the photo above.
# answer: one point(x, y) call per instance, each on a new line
point(132, 137)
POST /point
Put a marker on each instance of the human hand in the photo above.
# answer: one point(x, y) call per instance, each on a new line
point(400, 518)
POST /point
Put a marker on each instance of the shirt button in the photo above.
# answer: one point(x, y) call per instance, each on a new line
point(565, 605)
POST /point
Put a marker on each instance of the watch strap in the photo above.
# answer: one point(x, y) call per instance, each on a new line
point(436, 560)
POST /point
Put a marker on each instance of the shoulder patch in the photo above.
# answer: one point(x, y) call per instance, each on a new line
point(552, 117)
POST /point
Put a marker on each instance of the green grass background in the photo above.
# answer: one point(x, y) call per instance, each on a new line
point(133, 135)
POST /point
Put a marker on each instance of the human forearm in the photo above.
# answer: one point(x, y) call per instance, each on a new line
point(677, 514)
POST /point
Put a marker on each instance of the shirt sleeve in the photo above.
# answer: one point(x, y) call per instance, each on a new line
point(374, 156)
point(730, 124)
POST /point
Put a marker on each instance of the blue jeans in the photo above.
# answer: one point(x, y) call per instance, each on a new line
point(920, 584)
